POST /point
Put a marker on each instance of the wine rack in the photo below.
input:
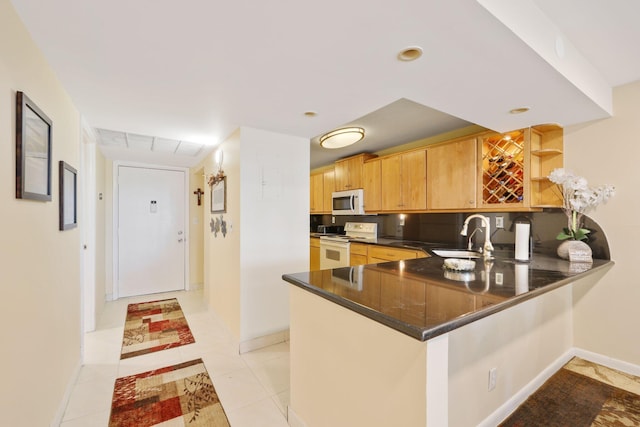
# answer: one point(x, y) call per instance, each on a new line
point(503, 160)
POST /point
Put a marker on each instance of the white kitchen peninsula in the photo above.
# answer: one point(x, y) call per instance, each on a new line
point(413, 347)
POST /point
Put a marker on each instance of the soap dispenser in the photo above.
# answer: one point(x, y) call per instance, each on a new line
point(524, 239)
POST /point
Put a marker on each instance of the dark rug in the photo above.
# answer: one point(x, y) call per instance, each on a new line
point(572, 399)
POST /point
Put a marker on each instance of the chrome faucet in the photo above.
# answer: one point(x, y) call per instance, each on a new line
point(487, 249)
point(469, 241)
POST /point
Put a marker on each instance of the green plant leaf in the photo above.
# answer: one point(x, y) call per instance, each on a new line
point(581, 234)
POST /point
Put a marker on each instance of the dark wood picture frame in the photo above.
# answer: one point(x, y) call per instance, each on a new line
point(219, 196)
point(68, 196)
point(33, 150)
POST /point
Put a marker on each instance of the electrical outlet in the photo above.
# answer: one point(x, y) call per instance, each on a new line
point(499, 222)
point(499, 278)
point(333, 220)
point(493, 377)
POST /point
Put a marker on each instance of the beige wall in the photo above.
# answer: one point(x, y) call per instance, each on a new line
point(39, 265)
point(267, 231)
point(347, 370)
point(222, 254)
point(608, 152)
point(101, 237)
point(196, 229)
point(519, 342)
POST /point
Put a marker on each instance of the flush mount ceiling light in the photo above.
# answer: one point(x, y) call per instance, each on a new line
point(519, 110)
point(410, 53)
point(341, 137)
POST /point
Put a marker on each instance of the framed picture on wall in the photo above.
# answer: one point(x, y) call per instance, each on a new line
point(33, 151)
point(219, 196)
point(68, 182)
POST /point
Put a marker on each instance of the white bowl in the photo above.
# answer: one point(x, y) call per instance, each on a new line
point(457, 264)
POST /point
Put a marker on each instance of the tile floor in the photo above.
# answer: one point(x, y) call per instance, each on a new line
point(253, 387)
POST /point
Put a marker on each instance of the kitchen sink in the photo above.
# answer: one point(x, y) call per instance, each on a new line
point(456, 253)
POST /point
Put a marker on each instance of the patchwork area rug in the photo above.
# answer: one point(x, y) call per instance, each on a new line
point(180, 395)
point(153, 326)
point(582, 394)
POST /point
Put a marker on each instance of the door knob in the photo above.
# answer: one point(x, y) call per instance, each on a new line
point(179, 233)
point(179, 240)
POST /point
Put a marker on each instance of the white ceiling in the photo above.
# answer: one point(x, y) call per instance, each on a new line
point(195, 71)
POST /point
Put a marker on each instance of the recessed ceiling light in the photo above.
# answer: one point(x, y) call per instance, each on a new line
point(410, 53)
point(341, 137)
point(310, 113)
point(519, 110)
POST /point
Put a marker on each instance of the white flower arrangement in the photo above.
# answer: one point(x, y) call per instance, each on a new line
point(578, 199)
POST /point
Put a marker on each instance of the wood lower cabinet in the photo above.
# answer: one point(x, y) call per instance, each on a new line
point(357, 254)
point(404, 181)
point(378, 254)
point(314, 254)
point(452, 169)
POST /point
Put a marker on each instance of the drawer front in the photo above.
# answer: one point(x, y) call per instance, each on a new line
point(358, 249)
point(391, 254)
point(315, 242)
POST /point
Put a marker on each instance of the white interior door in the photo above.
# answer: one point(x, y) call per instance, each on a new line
point(151, 234)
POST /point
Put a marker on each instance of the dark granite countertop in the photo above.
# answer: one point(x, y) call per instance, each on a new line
point(419, 298)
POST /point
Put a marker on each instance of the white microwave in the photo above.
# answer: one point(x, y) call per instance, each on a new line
point(350, 202)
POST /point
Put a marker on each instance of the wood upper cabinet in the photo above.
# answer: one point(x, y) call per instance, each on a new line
point(329, 185)
point(404, 181)
point(348, 172)
point(321, 185)
point(514, 167)
point(372, 181)
point(452, 170)
point(316, 193)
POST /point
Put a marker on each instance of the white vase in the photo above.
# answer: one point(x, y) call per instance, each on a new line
point(573, 246)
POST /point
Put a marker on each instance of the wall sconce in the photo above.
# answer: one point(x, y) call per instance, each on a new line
point(341, 137)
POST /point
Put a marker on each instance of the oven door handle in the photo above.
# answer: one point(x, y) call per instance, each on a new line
point(333, 244)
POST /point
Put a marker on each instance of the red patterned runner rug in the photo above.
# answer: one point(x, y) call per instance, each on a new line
point(154, 326)
point(181, 393)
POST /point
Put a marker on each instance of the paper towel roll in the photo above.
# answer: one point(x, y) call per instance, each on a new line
point(522, 241)
point(522, 278)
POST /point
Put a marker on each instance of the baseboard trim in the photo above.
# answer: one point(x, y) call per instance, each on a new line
point(293, 419)
point(510, 405)
point(609, 362)
point(264, 341)
point(59, 415)
point(195, 287)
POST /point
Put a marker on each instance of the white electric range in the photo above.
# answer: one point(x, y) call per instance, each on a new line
point(334, 250)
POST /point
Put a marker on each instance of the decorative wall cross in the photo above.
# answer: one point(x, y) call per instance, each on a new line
point(199, 193)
